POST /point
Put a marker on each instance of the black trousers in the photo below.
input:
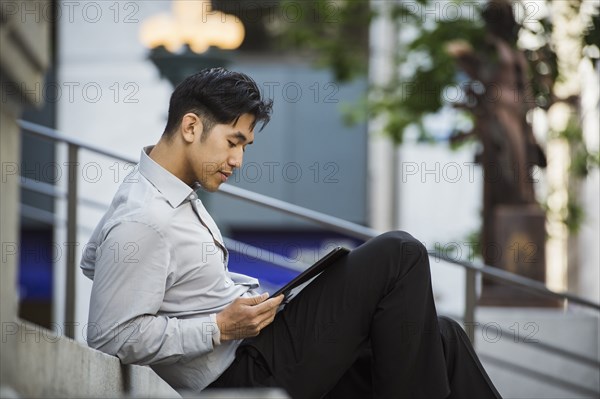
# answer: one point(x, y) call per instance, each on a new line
point(366, 327)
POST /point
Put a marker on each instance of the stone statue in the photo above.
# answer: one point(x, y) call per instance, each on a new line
point(509, 149)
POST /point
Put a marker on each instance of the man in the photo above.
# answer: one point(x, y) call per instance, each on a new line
point(162, 294)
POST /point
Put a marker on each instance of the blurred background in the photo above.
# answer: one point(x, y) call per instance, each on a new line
point(473, 125)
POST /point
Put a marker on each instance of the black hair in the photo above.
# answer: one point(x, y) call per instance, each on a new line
point(218, 96)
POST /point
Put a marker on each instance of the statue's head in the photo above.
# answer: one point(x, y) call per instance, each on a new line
point(500, 21)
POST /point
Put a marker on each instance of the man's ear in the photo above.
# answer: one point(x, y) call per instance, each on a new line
point(191, 127)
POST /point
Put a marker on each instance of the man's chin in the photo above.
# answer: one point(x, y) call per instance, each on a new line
point(213, 188)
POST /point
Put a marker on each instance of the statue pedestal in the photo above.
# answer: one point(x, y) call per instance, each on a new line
point(517, 246)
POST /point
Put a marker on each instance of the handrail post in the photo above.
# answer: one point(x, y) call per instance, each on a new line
point(71, 267)
point(470, 303)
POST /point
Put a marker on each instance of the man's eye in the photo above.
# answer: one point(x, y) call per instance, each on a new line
point(231, 144)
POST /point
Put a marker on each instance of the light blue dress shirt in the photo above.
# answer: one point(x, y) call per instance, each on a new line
point(159, 271)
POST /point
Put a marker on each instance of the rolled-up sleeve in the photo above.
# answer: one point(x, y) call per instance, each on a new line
point(132, 265)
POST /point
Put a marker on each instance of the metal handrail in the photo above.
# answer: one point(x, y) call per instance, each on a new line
point(55, 135)
point(330, 222)
point(365, 233)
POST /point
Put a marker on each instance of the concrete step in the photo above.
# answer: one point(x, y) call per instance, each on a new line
point(540, 353)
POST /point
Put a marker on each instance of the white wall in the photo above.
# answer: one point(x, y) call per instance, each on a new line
point(440, 199)
point(589, 236)
point(381, 150)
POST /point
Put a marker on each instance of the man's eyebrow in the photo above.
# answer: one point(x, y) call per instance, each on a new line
point(241, 137)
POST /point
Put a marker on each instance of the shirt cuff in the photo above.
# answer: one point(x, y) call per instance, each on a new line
point(216, 333)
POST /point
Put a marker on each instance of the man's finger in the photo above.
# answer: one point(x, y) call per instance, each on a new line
point(268, 305)
point(269, 315)
point(255, 300)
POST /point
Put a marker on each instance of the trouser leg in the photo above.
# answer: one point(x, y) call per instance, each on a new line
point(468, 379)
point(357, 382)
point(380, 292)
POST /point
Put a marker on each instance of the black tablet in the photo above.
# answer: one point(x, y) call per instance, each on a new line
point(292, 288)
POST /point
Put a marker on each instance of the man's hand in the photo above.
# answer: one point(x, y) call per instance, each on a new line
point(245, 317)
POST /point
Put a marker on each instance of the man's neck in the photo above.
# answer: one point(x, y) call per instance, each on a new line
point(170, 156)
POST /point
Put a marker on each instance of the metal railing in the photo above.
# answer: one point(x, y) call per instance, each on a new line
point(327, 221)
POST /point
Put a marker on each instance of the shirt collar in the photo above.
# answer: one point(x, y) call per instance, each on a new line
point(175, 191)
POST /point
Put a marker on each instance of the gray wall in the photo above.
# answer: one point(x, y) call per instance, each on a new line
point(306, 155)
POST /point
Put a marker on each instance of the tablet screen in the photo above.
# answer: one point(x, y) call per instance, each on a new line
point(292, 288)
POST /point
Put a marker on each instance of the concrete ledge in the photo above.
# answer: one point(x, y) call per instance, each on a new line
point(47, 365)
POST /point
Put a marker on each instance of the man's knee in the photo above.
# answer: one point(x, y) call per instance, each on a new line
point(401, 244)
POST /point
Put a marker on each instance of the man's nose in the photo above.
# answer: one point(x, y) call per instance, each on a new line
point(235, 161)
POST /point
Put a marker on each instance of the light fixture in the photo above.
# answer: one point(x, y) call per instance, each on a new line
point(193, 37)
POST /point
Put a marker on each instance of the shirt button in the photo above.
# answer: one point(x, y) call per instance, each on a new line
point(192, 197)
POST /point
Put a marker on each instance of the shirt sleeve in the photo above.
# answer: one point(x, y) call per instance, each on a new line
point(131, 270)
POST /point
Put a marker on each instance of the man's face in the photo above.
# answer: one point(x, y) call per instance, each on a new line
point(213, 159)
